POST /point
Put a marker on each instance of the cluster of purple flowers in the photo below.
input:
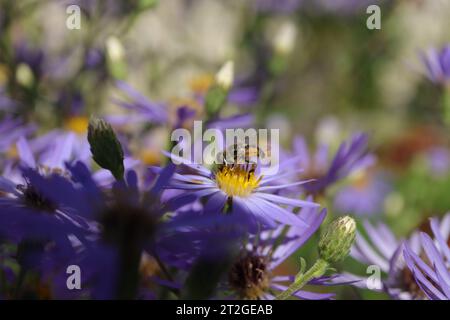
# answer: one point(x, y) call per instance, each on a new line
point(144, 235)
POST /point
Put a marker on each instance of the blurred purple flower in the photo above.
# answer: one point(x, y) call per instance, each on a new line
point(438, 160)
point(437, 62)
point(94, 58)
point(365, 196)
point(343, 7)
point(283, 6)
point(143, 110)
point(243, 96)
point(146, 111)
point(11, 130)
point(352, 155)
point(239, 121)
point(339, 7)
point(107, 8)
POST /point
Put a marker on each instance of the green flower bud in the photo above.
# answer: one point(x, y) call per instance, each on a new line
point(24, 75)
point(215, 98)
point(225, 76)
point(106, 149)
point(217, 95)
point(284, 40)
point(336, 241)
point(115, 57)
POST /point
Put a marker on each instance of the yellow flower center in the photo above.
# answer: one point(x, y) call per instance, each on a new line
point(150, 157)
point(77, 124)
point(237, 181)
point(201, 83)
point(12, 153)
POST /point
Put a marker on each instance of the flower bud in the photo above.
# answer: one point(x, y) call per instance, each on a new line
point(284, 40)
point(115, 54)
point(24, 75)
point(106, 149)
point(114, 49)
point(225, 76)
point(336, 241)
point(217, 94)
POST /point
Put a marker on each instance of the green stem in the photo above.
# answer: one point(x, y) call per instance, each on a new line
point(166, 273)
point(317, 270)
point(20, 280)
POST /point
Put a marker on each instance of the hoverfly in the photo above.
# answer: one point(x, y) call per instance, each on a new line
point(240, 154)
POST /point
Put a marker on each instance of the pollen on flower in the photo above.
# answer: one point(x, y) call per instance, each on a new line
point(77, 124)
point(237, 180)
point(250, 277)
point(12, 153)
point(149, 157)
point(409, 284)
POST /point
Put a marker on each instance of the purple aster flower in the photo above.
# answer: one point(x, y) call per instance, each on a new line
point(143, 110)
point(35, 218)
point(75, 217)
point(239, 190)
point(365, 195)
point(252, 275)
point(352, 155)
point(431, 268)
point(46, 153)
point(127, 222)
point(11, 130)
point(49, 153)
point(383, 250)
point(147, 111)
point(437, 62)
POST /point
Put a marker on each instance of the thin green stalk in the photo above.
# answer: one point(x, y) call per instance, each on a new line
point(317, 270)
